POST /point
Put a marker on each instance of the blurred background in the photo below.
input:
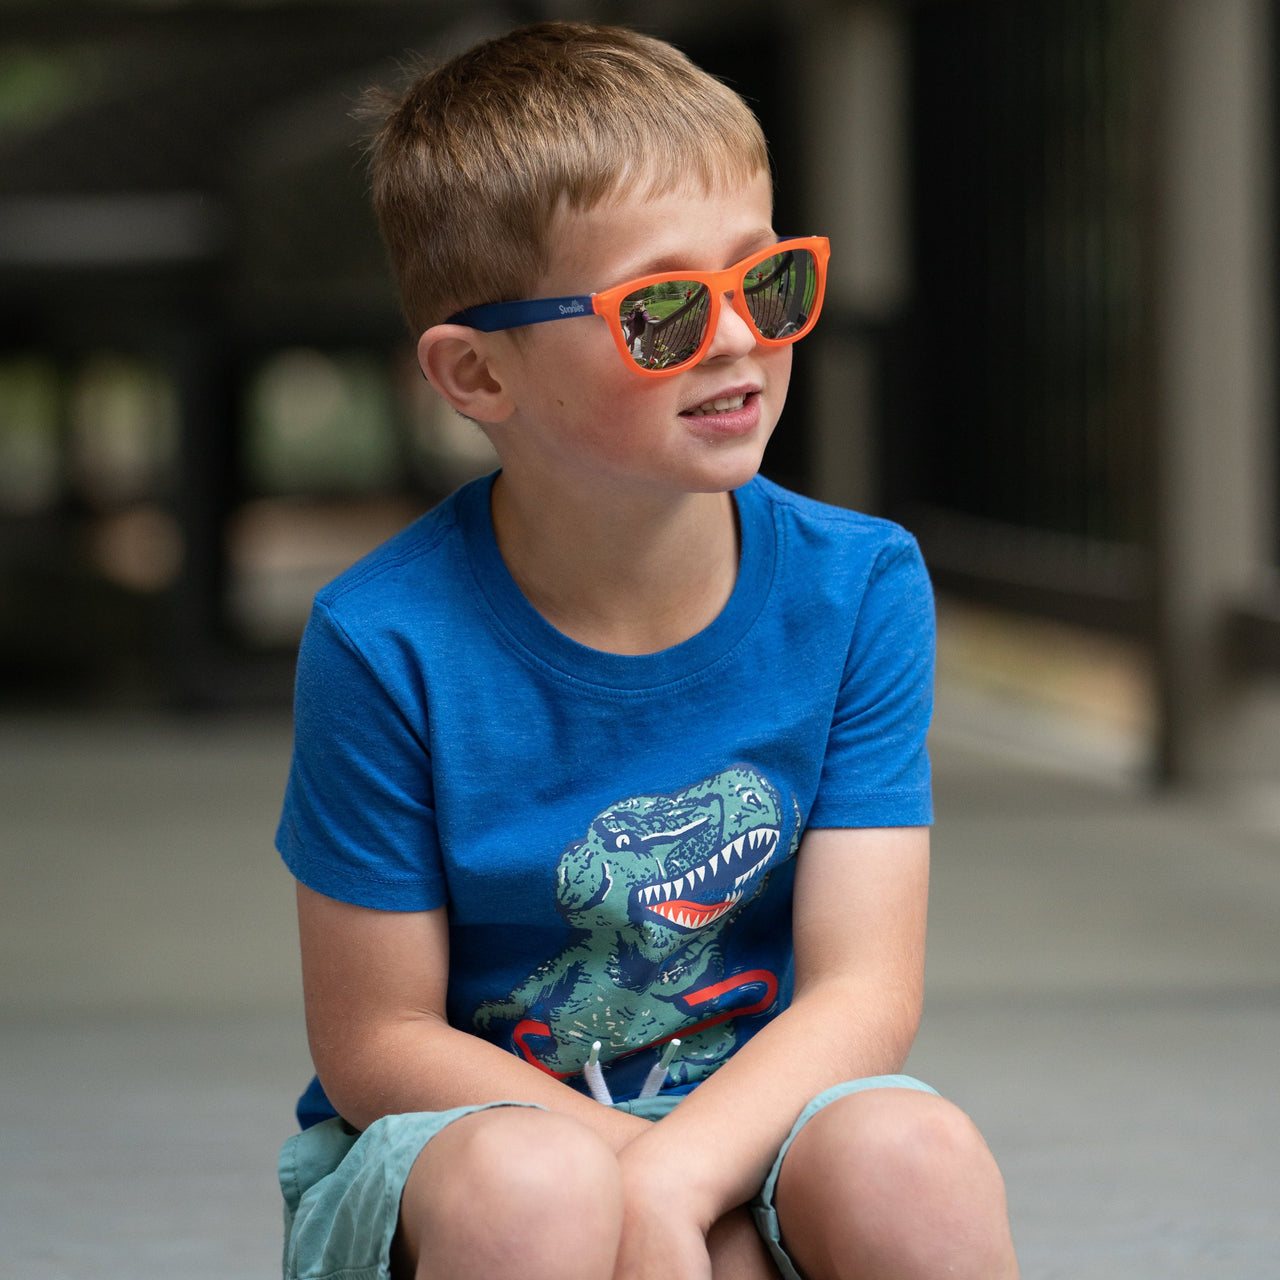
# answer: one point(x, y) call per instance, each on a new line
point(1048, 349)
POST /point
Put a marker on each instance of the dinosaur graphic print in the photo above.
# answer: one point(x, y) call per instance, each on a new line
point(649, 890)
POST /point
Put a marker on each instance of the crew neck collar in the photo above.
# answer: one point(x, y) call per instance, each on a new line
point(531, 632)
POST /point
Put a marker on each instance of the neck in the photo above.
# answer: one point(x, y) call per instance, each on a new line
point(625, 578)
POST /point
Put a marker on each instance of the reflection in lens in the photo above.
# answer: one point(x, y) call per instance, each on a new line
point(663, 323)
point(780, 292)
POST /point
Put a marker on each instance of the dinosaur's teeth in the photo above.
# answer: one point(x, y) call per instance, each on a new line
point(763, 839)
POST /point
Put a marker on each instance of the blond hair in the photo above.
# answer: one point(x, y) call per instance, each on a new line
point(470, 164)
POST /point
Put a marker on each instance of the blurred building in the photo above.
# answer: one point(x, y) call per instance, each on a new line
point(1048, 344)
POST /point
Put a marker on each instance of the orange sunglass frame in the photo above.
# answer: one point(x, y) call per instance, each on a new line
point(607, 304)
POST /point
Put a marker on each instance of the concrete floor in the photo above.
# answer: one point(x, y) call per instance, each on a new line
point(1104, 998)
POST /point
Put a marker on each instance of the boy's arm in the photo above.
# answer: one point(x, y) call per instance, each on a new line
point(859, 925)
point(374, 984)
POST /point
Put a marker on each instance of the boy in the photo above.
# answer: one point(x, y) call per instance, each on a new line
point(609, 798)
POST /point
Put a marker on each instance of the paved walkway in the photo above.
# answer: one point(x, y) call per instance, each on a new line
point(1104, 997)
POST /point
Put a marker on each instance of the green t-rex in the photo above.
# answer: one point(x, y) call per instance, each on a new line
point(650, 889)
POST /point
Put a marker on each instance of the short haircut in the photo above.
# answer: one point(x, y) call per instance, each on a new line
point(471, 164)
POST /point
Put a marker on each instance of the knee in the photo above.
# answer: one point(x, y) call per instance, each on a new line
point(500, 1192)
point(921, 1139)
point(890, 1137)
point(528, 1166)
point(895, 1174)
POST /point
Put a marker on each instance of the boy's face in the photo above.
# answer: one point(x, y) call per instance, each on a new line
point(583, 417)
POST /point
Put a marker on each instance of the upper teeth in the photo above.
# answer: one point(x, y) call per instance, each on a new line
point(762, 840)
point(723, 405)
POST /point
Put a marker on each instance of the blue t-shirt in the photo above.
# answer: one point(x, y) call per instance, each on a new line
point(614, 836)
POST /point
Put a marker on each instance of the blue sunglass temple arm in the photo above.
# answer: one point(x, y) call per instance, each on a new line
point(489, 317)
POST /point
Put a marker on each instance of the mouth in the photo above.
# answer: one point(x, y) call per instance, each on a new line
point(731, 402)
point(725, 404)
point(710, 890)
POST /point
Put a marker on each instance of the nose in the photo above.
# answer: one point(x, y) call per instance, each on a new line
point(733, 336)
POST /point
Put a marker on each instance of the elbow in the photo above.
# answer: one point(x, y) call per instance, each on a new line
point(878, 1028)
point(889, 1031)
point(354, 1103)
point(370, 1074)
point(345, 1083)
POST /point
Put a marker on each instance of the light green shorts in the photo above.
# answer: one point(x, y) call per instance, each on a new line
point(342, 1189)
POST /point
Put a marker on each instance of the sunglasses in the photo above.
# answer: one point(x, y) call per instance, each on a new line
point(665, 322)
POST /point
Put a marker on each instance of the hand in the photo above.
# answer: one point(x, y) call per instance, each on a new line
point(662, 1237)
point(671, 1232)
point(660, 1246)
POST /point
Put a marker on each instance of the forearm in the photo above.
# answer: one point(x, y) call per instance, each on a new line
point(423, 1064)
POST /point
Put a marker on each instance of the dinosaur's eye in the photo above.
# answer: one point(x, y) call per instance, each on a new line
point(752, 798)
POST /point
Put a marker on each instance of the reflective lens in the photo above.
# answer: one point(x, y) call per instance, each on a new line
point(663, 323)
point(780, 291)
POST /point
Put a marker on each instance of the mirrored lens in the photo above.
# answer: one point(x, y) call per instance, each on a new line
point(780, 293)
point(664, 323)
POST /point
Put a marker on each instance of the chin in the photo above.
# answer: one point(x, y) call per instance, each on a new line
point(734, 467)
point(726, 479)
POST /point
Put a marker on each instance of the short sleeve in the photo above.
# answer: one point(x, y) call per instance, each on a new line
point(358, 822)
point(876, 769)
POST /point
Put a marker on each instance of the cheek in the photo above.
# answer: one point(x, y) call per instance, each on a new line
point(777, 367)
point(602, 382)
point(778, 363)
point(622, 414)
point(577, 366)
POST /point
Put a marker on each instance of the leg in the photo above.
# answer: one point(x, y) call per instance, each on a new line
point(511, 1193)
point(737, 1251)
point(894, 1184)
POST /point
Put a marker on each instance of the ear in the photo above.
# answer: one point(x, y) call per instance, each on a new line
point(458, 362)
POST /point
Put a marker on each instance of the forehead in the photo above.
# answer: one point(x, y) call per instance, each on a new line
point(635, 231)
